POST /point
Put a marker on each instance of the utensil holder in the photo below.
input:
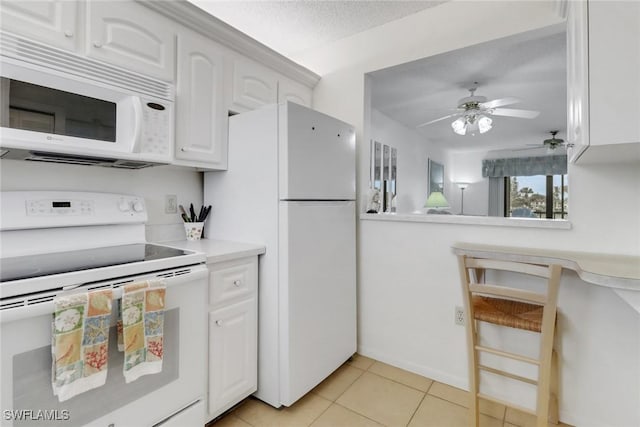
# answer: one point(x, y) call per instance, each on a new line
point(193, 230)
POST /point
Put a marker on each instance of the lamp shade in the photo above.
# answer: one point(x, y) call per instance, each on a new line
point(436, 200)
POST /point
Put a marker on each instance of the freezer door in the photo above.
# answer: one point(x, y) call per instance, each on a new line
point(317, 293)
point(317, 155)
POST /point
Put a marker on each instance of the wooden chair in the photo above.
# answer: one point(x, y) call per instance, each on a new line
point(515, 308)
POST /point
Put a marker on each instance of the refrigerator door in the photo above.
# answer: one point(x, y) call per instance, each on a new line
point(317, 293)
point(317, 155)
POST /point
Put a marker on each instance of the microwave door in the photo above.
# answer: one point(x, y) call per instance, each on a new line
point(51, 112)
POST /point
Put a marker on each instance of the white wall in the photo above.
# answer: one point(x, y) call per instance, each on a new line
point(408, 283)
point(151, 183)
point(467, 167)
point(413, 152)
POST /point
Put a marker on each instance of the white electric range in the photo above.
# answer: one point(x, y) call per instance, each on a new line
point(55, 241)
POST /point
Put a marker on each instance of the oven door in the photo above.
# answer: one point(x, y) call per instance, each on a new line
point(26, 396)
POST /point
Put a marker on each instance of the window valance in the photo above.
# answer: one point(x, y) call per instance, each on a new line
point(525, 166)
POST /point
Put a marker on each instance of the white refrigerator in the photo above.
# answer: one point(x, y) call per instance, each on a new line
point(290, 185)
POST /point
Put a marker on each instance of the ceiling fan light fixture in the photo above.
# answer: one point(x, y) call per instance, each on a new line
point(470, 123)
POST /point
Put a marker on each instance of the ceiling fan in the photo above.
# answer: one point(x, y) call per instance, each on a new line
point(552, 143)
point(474, 113)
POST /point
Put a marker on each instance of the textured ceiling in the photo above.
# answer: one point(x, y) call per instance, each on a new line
point(294, 26)
point(529, 66)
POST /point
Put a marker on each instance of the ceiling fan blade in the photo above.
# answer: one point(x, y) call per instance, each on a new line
point(511, 112)
point(529, 148)
point(500, 102)
point(437, 120)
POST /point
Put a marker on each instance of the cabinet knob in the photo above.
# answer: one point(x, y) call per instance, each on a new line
point(237, 282)
point(219, 322)
point(68, 34)
point(97, 44)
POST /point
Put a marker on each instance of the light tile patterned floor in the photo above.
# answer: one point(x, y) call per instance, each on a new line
point(367, 393)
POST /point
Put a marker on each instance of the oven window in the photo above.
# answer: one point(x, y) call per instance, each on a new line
point(32, 381)
point(42, 109)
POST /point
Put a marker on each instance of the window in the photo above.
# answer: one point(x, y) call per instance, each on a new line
point(536, 196)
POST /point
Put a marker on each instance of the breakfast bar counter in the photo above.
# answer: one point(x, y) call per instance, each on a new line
point(612, 271)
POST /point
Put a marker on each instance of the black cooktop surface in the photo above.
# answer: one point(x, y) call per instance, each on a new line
point(26, 267)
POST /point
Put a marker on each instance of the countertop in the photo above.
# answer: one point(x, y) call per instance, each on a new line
point(612, 271)
point(219, 250)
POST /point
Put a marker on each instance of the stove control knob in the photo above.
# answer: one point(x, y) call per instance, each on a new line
point(138, 206)
point(123, 205)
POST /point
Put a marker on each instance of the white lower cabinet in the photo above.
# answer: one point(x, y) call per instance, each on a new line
point(233, 333)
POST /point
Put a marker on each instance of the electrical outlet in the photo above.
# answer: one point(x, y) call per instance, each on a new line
point(171, 204)
point(459, 319)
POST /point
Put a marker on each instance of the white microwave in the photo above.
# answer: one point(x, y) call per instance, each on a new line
point(56, 106)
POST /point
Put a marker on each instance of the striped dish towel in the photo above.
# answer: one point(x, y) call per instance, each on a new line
point(142, 311)
point(80, 342)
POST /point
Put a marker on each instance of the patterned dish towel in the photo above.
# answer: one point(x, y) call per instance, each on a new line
point(142, 311)
point(80, 342)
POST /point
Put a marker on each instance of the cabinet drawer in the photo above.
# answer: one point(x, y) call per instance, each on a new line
point(232, 280)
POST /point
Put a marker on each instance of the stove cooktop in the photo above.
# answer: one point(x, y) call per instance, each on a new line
point(30, 266)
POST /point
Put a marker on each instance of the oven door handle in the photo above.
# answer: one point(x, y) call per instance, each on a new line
point(31, 308)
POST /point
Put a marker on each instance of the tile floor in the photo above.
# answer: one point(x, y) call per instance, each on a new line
point(367, 393)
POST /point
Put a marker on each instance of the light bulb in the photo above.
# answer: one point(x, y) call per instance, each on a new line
point(459, 126)
point(484, 124)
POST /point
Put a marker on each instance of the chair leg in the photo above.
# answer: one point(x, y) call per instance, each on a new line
point(474, 380)
point(554, 416)
point(544, 381)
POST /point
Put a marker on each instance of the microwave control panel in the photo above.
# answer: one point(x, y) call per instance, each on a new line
point(156, 130)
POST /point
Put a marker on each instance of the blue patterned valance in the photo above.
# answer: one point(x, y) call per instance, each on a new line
point(525, 166)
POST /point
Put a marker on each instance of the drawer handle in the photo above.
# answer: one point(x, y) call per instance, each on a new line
point(97, 44)
point(68, 34)
point(219, 322)
point(237, 282)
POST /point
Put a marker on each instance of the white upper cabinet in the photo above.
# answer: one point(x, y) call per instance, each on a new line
point(603, 86)
point(53, 22)
point(201, 121)
point(288, 90)
point(577, 79)
point(132, 36)
point(614, 72)
point(253, 85)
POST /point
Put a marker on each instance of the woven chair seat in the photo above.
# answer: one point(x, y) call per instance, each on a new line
point(514, 314)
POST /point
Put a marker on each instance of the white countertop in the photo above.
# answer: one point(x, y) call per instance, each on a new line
point(219, 250)
point(612, 271)
point(559, 224)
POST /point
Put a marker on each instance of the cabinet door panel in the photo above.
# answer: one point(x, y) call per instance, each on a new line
point(232, 355)
point(131, 36)
point(253, 86)
point(614, 71)
point(577, 79)
point(53, 22)
point(201, 117)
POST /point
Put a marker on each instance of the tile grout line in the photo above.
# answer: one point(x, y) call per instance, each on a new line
point(358, 413)
point(406, 385)
point(320, 414)
point(418, 407)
